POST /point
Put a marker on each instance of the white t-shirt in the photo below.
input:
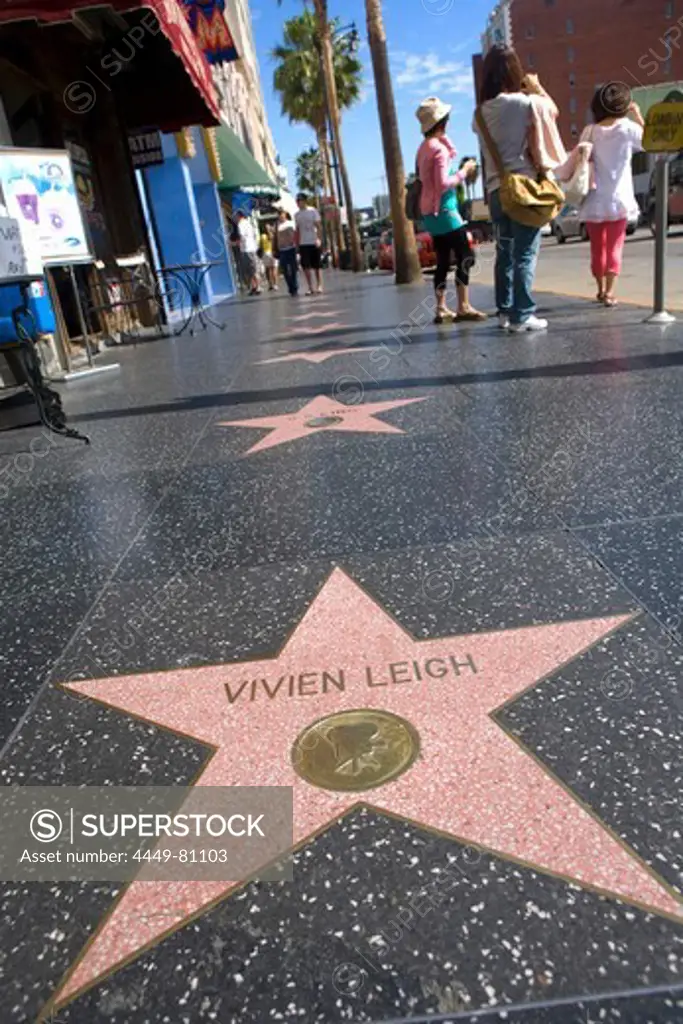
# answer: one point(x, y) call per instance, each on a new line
point(613, 197)
point(307, 221)
point(248, 242)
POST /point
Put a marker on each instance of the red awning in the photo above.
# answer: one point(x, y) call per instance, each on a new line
point(169, 13)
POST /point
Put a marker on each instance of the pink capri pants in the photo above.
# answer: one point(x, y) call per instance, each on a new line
point(607, 239)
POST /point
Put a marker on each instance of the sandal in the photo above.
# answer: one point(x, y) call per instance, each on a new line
point(600, 297)
point(610, 301)
point(445, 316)
point(471, 314)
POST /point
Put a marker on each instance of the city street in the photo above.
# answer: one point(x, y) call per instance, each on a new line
point(565, 269)
point(428, 580)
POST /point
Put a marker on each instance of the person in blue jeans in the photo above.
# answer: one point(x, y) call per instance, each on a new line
point(286, 251)
point(508, 115)
point(517, 249)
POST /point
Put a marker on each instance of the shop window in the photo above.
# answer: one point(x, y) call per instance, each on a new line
point(570, 26)
point(570, 54)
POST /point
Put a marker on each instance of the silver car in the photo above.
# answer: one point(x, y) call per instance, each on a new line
point(568, 224)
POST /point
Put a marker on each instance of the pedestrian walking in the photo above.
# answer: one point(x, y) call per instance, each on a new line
point(611, 203)
point(248, 253)
point(286, 251)
point(509, 118)
point(440, 209)
point(267, 258)
point(308, 228)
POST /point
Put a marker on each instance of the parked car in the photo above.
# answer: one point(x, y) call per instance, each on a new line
point(425, 250)
point(568, 224)
point(675, 195)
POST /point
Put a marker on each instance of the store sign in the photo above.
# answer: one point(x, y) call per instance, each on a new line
point(207, 21)
point(145, 148)
point(40, 193)
point(664, 128)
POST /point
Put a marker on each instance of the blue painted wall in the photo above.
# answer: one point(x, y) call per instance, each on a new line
point(215, 242)
point(185, 209)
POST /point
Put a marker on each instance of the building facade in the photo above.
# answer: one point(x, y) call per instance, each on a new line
point(240, 92)
point(574, 46)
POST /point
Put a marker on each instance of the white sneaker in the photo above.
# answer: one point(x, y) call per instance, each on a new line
point(534, 323)
point(503, 321)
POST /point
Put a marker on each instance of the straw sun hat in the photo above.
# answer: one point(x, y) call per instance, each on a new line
point(431, 111)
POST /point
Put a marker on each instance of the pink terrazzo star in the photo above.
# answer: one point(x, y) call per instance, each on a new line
point(471, 780)
point(318, 314)
point(322, 413)
point(313, 357)
point(315, 331)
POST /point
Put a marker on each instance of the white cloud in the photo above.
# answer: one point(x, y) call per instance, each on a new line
point(427, 74)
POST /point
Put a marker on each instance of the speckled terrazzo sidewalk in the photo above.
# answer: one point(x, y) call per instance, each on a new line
point(333, 506)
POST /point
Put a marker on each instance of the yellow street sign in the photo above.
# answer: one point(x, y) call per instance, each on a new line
point(664, 128)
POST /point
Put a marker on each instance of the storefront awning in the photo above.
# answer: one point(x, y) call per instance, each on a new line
point(239, 170)
point(171, 18)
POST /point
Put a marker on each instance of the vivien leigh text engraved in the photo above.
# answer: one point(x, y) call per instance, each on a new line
point(310, 684)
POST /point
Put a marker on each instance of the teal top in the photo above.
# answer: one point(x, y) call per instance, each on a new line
point(448, 218)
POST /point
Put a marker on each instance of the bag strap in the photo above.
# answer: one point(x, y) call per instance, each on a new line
point(490, 144)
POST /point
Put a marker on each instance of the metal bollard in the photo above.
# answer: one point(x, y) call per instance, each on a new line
point(659, 313)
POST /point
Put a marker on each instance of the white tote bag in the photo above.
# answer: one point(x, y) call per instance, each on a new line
point(579, 185)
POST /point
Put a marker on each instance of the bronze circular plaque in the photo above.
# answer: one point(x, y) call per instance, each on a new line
point(324, 421)
point(355, 750)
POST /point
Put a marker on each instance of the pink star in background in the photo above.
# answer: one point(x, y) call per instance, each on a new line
point(322, 413)
point(472, 780)
point(313, 357)
point(312, 316)
point(299, 331)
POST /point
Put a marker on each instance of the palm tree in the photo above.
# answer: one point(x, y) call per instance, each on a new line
point(309, 172)
point(406, 260)
point(317, 75)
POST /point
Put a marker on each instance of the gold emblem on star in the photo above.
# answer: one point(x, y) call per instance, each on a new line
point(355, 750)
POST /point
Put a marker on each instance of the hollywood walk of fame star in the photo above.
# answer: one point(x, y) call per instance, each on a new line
point(314, 331)
point(322, 413)
point(318, 314)
point(472, 780)
point(313, 357)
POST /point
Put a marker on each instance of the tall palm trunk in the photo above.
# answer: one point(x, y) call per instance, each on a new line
point(333, 110)
point(328, 226)
point(406, 260)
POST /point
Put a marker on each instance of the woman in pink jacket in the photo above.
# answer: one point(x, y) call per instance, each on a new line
point(440, 210)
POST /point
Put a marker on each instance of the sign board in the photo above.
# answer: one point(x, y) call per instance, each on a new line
point(207, 21)
point(145, 147)
point(664, 128)
point(84, 179)
point(39, 191)
point(14, 262)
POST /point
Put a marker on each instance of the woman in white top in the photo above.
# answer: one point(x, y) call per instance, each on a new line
point(611, 203)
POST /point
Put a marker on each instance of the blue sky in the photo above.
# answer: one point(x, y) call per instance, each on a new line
point(430, 54)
